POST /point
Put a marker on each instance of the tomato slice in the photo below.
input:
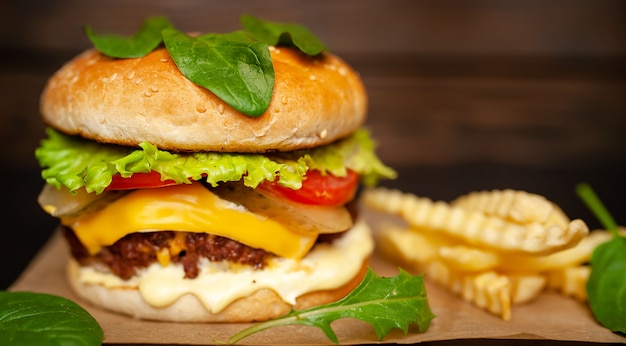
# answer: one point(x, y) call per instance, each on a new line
point(318, 189)
point(139, 181)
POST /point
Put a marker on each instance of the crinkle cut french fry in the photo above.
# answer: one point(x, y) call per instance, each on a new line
point(486, 290)
point(526, 287)
point(471, 259)
point(492, 249)
point(492, 291)
point(514, 205)
point(473, 227)
point(489, 292)
point(570, 281)
point(468, 259)
point(573, 256)
point(411, 249)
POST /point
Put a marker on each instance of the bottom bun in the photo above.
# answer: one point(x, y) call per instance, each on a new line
point(220, 294)
point(262, 305)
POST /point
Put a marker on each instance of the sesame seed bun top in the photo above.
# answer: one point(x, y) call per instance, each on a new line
point(316, 100)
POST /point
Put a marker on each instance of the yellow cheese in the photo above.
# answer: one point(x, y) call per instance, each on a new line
point(174, 247)
point(326, 267)
point(189, 208)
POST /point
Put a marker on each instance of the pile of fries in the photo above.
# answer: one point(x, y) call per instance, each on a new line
point(494, 248)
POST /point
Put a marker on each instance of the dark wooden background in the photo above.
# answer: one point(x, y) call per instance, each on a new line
point(464, 95)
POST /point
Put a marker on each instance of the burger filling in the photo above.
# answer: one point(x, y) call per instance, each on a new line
point(139, 250)
point(329, 265)
point(161, 222)
point(135, 251)
point(128, 208)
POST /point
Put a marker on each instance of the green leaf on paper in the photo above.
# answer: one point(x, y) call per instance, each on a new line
point(28, 318)
point(385, 303)
point(606, 286)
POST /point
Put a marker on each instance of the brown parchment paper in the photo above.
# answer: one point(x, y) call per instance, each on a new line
point(550, 317)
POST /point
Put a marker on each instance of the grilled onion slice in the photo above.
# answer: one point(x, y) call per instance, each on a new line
point(296, 216)
point(62, 203)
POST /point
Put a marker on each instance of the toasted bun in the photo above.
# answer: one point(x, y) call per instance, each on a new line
point(263, 305)
point(316, 100)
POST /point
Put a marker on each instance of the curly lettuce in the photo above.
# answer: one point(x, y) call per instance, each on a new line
point(74, 163)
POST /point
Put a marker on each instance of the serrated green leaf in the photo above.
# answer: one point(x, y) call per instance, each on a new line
point(240, 73)
point(28, 318)
point(286, 34)
point(143, 42)
point(75, 163)
point(384, 303)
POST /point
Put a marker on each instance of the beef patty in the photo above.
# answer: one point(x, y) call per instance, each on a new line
point(139, 250)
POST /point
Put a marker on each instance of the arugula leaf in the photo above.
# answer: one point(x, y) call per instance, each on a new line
point(274, 33)
point(385, 303)
point(240, 73)
point(28, 318)
point(606, 286)
point(142, 43)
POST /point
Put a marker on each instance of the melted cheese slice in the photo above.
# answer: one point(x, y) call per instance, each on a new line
point(189, 208)
point(327, 266)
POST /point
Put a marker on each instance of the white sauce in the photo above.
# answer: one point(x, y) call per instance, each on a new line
point(325, 267)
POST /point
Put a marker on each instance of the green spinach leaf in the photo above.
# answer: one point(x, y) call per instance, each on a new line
point(143, 42)
point(239, 73)
point(274, 33)
point(238, 36)
point(237, 66)
point(28, 318)
point(385, 303)
point(606, 286)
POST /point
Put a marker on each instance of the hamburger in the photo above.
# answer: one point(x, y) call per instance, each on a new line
point(181, 202)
